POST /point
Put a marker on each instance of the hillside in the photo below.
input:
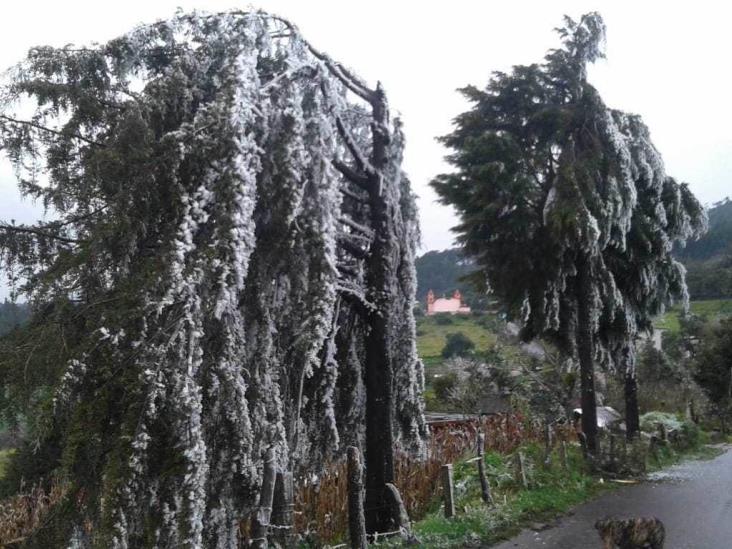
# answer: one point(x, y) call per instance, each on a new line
point(12, 315)
point(709, 260)
point(716, 242)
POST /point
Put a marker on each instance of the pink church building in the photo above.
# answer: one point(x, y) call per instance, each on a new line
point(453, 305)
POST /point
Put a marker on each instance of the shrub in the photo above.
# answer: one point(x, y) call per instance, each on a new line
point(649, 421)
point(443, 385)
point(457, 344)
point(443, 319)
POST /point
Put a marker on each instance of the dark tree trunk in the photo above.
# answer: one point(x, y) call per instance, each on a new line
point(586, 355)
point(381, 263)
point(632, 416)
point(379, 395)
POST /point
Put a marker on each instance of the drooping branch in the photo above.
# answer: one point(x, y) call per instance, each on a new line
point(50, 130)
point(38, 232)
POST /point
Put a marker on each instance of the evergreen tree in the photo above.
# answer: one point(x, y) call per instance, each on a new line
point(566, 208)
point(230, 269)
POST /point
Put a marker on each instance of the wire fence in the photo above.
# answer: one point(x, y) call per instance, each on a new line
point(321, 505)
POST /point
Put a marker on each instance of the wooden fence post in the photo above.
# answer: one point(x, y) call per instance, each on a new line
point(485, 489)
point(563, 454)
point(520, 474)
point(264, 512)
point(283, 510)
point(356, 517)
point(447, 490)
point(548, 443)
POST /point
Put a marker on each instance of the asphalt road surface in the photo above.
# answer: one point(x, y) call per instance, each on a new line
point(693, 500)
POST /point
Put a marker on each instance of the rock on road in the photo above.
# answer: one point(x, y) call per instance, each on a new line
point(694, 501)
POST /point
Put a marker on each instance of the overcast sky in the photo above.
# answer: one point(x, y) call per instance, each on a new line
point(668, 61)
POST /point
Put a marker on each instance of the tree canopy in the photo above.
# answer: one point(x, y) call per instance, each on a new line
point(565, 206)
point(203, 292)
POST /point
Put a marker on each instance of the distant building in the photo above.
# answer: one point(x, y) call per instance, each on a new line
point(453, 305)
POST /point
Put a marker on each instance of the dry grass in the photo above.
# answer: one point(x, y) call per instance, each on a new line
point(21, 514)
point(321, 512)
point(320, 502)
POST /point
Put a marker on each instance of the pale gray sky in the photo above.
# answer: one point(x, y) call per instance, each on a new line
point(668, 61)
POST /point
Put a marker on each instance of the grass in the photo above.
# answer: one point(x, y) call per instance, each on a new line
point(432, 334)
point(5, 456)
point(709, 308)
point(552, 492)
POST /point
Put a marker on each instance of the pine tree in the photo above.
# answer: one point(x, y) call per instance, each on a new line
point(567, 210)
point(230, 269)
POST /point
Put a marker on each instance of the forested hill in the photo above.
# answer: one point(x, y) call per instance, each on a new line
point(718, 241)
point(709, 259)
point(12, 315)
point(708, 262)
point(441, 272)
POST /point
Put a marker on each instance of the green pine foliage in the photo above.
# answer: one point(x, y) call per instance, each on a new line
point(565, 205)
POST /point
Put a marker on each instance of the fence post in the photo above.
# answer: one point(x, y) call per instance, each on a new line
point(485, 489)
point(520, 469)
point(563, 454)
point(448, 493)
point(264, 512)
point(283, 506)
point(356, 518)
point(548, 443)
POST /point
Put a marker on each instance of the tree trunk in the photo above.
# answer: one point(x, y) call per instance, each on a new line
point(379, 395)
point(586, 354)
point(356, 525)
point(632, 416)
point(261, 523)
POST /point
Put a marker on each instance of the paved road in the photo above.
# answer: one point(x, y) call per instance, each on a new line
point(694, 501)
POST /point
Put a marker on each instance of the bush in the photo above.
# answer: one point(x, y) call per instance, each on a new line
point(689, 437)
point(457, 344)
point(443, 385)
point(443, 319)
point(649, 422)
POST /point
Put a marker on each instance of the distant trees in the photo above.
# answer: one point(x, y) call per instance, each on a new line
point(446, 271)
point(229, 269)
point(708, 260)
point(12, 315)
point(566, 208)
point(457, 344)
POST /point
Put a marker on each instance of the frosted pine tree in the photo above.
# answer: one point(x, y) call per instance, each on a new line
point(566, 208)
point(223, 275)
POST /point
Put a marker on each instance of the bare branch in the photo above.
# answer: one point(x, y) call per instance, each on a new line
point(361, 162)
point(357, 227)
point(352, 247)
point(353, 176)
point(350, 194)
point(352, 82)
